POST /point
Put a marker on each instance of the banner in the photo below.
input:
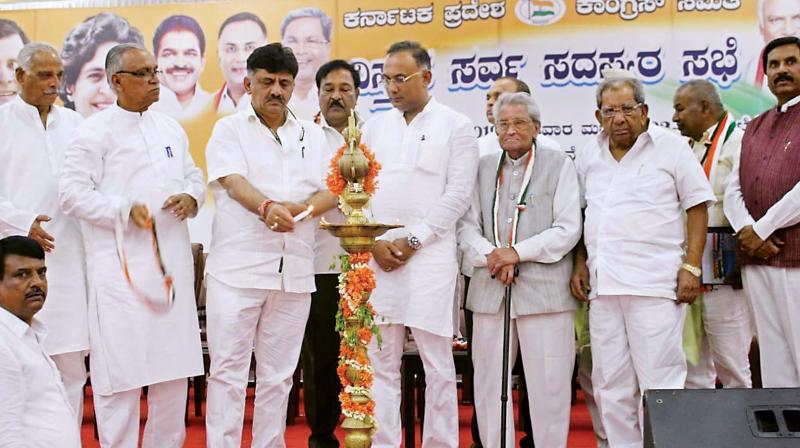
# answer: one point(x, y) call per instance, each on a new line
point(559, 48)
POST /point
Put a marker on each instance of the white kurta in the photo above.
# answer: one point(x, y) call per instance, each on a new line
point(305, 108)
point(31, 162)
point(117, 158)
point(429, 171)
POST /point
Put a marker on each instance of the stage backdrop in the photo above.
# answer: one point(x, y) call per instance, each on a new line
point(558, 47)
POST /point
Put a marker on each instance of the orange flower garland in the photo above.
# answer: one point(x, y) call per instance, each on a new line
point(336, 183)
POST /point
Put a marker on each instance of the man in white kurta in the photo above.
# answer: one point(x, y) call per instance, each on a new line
point(265, 167)
point(36, 412)
point(636, 180)
point(29, 173)
point(429, 159)
point(124, 167)
point(726, 330)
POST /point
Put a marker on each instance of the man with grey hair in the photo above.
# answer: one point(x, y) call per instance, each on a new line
point(725, 327)
point(525, 214)
point(307, 32)
point(127, 170)
point(29, 206)
point(637, 179)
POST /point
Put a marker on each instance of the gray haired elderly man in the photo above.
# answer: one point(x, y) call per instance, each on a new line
point(126, 170)
point(307, 31)
point(637, 179)
point(525, 213)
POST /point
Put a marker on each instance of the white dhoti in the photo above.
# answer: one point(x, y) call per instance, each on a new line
point(441, 399)
point(239, 319)
point(547, 344)
point(72, 367)
point(773, 293)
point(636, 346)
point(725, 345)
point(118, 416)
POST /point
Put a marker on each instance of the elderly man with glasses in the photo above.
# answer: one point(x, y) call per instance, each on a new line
point(429, 157)
point(637, 180)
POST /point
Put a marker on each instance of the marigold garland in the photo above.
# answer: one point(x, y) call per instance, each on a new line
point(355, 322)
point(336, 183)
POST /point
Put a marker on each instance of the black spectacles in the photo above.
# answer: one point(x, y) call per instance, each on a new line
point(143, 73)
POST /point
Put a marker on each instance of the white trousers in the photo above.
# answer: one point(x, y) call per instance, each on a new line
point(547, 344)
point(636, 346)
point(775, 297)
point(441, 401)
point(72, 367)
point(238, 320)
point(585, 380)
point(118, 416)
point(725, 345)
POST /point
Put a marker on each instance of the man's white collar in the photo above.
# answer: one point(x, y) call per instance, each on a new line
point(790, 103)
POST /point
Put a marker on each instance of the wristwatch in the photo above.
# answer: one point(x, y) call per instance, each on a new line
point(414, 242)
point(694, 270)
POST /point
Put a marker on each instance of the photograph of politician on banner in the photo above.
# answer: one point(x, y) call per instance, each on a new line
point(238, 36)
point(307, 32)
point(12, 38)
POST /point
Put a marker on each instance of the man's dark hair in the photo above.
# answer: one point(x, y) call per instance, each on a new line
point(179, 23)
point(418, 52)
point(520, 85)
point(274, 58)
point(21, 246)
point(338, 64)
point(10, 28)
point(243, 17)
point(779, 42)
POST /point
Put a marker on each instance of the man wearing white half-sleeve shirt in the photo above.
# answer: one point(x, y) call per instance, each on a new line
point(127, 171)
point(265, 168)
point(637, 180)
point(29, 173)
point(429, 162)
point(34, 409)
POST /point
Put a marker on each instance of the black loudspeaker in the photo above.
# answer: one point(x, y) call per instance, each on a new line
point(724, 418)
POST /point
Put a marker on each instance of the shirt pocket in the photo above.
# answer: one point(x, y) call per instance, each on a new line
point(431, 157)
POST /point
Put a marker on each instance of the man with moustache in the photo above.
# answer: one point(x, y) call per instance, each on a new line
point(726, 330)
point(180, 47)
point(337, 82)
point(776, 18)
point(36, 411)
point(307, 32)
point(761, 202)
point(265, 167)
point(429, 159)
point(127, 171)
point(29, 173)
point(238, 36)
point(12, 39)
point(637, 179)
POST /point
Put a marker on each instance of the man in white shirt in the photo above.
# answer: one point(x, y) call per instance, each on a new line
point(265, 167)
point(126, 171)
point(32, 162)
point(307, 32)
point(429, 158)
point(525, 214)
point(35, 410)
point(238, 36)
point(726, 329)
point(637, 180)
point(337, 82)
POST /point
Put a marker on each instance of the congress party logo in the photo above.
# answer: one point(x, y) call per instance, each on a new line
point(540, 12)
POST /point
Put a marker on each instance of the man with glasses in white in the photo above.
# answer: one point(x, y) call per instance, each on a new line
point(307, 32)
point(637, 180)
point(429, 158)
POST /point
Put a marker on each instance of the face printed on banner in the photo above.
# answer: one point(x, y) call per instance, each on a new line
point(270, 92)
point(503, 85)
point(91, 92)
point(622, 117)
point(39, 86)
point(779, 18)
point(337, 96)
point(9, 49)
point(307, 40)
point(783, 72)
point(181, 62)
point(236, 42)
point(23, 288)
point(515, 129)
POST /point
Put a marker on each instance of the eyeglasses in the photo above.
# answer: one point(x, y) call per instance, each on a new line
point(505, 126)
point(308, 43)
point(397, 80)
point(143, 73)
point(627, 110)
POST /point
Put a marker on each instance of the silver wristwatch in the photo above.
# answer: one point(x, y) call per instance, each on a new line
point(414, 242)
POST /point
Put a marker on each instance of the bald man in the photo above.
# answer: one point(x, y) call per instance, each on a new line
point(776, 18)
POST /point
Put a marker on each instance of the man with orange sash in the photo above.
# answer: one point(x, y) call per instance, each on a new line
point(725, 332)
